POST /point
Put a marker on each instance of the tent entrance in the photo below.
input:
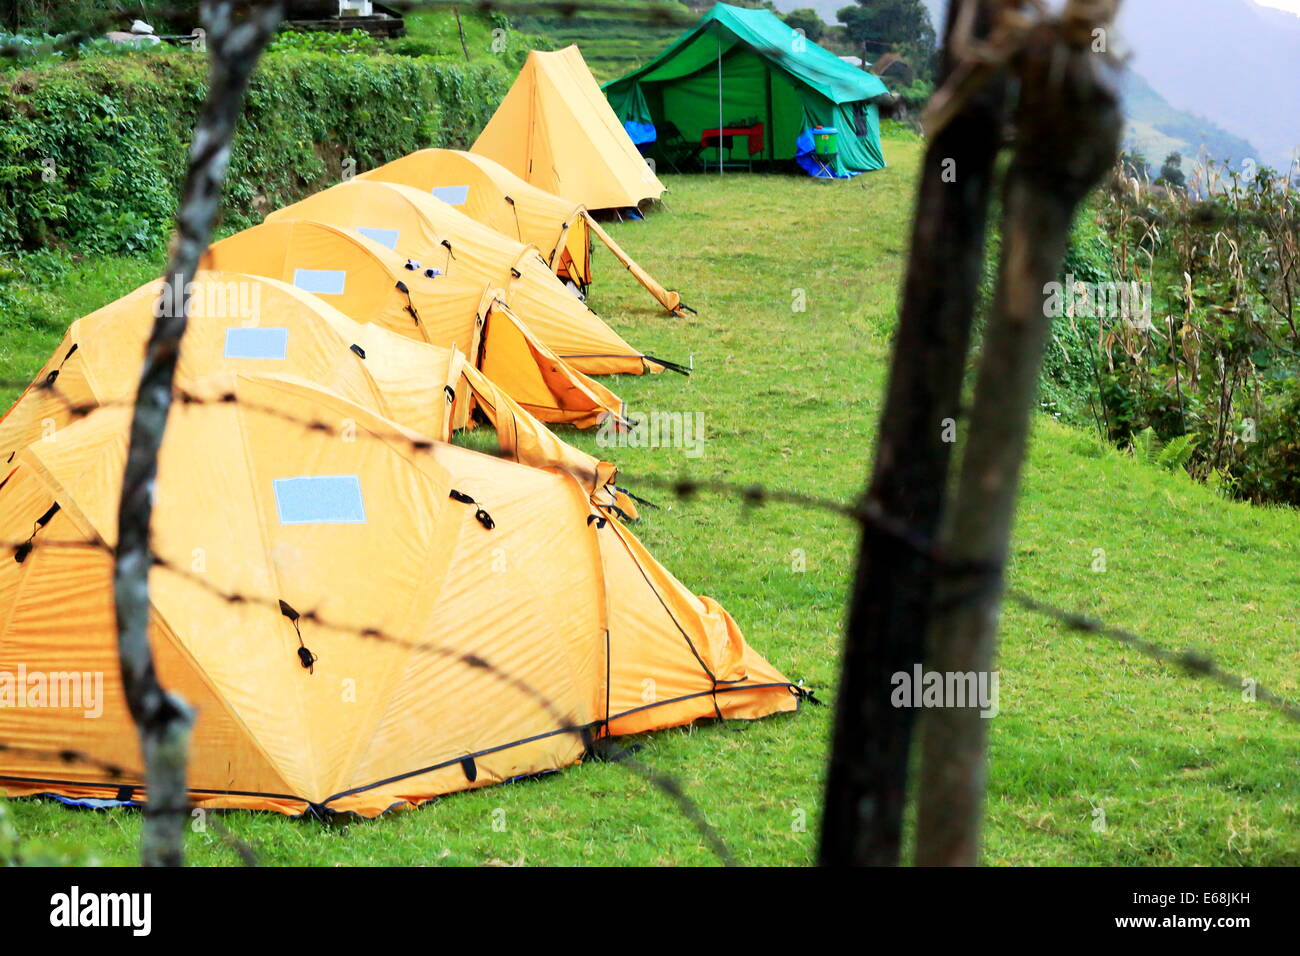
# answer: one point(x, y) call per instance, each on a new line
point(736, 112)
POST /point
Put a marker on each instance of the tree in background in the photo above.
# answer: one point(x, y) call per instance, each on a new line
point(96, 16)
point(883, 26)
point(1134, 163)
point(808, 21)
point(1171, 173)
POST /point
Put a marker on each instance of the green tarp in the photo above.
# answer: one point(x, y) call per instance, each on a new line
point(739, 66)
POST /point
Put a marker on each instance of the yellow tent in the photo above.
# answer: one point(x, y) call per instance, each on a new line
point(556, 130)
point(360, 624)
point(418, 226)
point(488, 193)
point(251, 324)
point(369, 282)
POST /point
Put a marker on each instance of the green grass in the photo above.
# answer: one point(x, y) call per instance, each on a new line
point(1187, 773)
point(438, 29)
point(613, 43)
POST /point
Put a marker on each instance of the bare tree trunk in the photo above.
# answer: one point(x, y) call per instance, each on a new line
point(162, 719)
point(1069, 127)
point(866, 786)
point(460, 28)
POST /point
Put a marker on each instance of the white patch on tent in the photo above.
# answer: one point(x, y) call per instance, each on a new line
point(385, 237)
point(255, 343)
point(320, 499)
point(452, 195)
point(320, 281)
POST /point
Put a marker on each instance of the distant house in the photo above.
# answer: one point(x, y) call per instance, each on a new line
point(339, 15)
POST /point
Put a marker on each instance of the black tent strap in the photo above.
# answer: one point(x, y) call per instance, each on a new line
point(671, 366)
point(305, 656)
point(24, 549)
point(483, 517)
point(410, 305)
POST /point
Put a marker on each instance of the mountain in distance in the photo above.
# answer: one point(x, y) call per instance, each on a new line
point(1218, 74)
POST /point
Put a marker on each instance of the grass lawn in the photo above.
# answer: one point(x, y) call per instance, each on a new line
point(1183, 771)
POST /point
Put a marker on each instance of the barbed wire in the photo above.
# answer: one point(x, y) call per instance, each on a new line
point(865, 512)
point(1194, 663)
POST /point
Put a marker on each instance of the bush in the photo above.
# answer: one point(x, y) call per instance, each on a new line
point(92, 151)
point(1217, 369)
point(342, 43)
point(1068, 384)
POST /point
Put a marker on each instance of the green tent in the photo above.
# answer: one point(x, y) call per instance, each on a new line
point(738, 69)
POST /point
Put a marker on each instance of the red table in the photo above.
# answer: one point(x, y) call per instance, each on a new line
point(713, 137)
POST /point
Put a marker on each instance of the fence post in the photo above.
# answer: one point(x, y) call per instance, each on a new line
point(1068, 130)
point(866, 785)
point(163, 720)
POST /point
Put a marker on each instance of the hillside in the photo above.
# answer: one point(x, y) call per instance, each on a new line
point(1232, 61)
point(1172, 100)
point(612, 43)
point(1156, 129)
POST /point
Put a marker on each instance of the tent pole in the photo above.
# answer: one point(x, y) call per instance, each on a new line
point(720, 121)
point(771, 135)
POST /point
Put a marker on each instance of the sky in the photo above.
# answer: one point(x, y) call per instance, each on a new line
point(1291, 6)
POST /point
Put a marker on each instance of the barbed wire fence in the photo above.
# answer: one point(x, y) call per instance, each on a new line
point(685, 489)
point(867, 514)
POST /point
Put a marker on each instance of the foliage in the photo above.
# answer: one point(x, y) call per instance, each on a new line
point(1220, 361)
point(93, 150)
point(1069, 364)
point(490, 37)
point(1171, 172)
point(64, 16)
point(807, 20)
point(342, 42)
point(915, 95)
point(26, 50)
point(876, 26)
point(613, 43)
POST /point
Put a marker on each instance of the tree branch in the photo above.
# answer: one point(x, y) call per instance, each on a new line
point(163, 720)
point(1069, 126)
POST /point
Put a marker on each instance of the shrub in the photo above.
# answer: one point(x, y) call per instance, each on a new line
point(92, 151)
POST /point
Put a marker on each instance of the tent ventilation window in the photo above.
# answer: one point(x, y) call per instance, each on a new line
point(483, 517)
